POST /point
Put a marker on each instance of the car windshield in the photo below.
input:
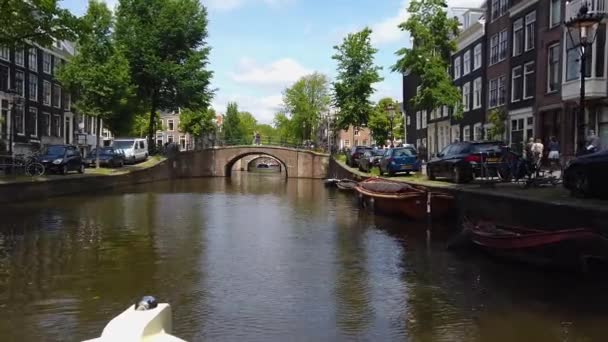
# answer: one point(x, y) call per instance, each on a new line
point(477, 148)
point(103, 151)
point(124, 144)
point(55, 150)
point(404, 152)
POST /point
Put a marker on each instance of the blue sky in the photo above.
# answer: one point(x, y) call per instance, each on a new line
point(259, 47)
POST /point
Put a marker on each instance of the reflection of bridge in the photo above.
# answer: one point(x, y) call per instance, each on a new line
point(219, 161)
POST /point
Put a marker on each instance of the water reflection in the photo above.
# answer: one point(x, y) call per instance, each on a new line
point(261, 258)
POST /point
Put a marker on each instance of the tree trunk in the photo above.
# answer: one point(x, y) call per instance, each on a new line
point(151, 129)
point(97, 140)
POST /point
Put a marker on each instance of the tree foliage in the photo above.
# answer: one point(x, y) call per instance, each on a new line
point(356, 76)
point(380, 121)
point(197, 122)
point(498, 119)
point(231, 127)
point(283, 126)
point(165, 44)
point(247, 123)
point(305, 101)
point(139, 125)
point(35, 21)
point(433, 34)
point(99, 73)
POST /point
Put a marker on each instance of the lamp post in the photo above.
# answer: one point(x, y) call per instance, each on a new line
point(17, 100)
point(391, 116)
point(584, 23)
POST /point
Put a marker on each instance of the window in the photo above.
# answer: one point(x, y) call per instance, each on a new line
point(418, 120)
point(466, 60)
point(477, 85)
point(19, 82)
point(67, 100)
point(502, 90)
point(46, 62)
point(477, 57)
point(33, 88)
point(407, 120)
point(556, 12)
point(530, 23)
point(493, 93)
point(346, 142)
point(58, 63)
point(516, 75)
point(529, 81)
point(170, 138)
point(356, 132)
point(456, 67)
point(445, 111)
point(477, 132)
point(5, 53)
point(518, 37)
point(573, 53)
point(423, 124)
point(56, 96)
point(19, 58)
point(494, 49)
point(170, 125)
point(33, 122)
point(32, 59)
point(5, 79)
point(55, 126)
point(455, 133)
point(495, 9)
point(466, 133)
point(503, 47)
point(46, 124)
point(19, 121)
point(466, 95)
point(356, 142)
point(504, 4)
point(553, 68)
point(46, 93)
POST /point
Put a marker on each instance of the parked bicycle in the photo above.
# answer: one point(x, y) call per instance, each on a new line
point(29, 164)
point(514, 168)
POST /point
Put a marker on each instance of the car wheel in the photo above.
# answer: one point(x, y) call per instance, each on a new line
point(457, 175)
point(81, 168)
point(64, 169)
point(429, 173)
point(391, 173)
point(381, 172)
point(580, 184)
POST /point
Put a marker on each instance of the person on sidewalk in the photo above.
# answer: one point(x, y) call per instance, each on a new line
point(537, 154)
point(528, 150)
point(554, 153)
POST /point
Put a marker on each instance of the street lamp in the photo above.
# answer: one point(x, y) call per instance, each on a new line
point(17, 100)
point(584, 23)
point(391, 116)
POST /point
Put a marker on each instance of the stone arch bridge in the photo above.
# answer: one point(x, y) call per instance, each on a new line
point(218, 161)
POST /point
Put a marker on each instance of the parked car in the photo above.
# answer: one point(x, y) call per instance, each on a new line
point(586, 175)
point(135, 149)
point(370, 159)
point(399, 159)
point(352, 156)
point(461, 161)
point(108, 156)
point(61, 159)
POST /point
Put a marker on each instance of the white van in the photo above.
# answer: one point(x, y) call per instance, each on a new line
point(135, 149)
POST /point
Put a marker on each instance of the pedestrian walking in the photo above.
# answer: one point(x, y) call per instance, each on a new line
point(537, 154)
point(257, 138)
point(528, 150)
point(554, 153)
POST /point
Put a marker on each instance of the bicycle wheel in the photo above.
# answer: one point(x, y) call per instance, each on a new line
point(34, 169)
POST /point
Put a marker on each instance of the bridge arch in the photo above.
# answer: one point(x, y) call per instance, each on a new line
point(269, 160)
point(230, 163)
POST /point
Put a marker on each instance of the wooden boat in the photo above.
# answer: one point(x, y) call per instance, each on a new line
point(571, 248)
point(346, 184)
point(331, 181)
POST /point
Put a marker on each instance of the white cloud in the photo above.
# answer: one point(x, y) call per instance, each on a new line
point(281, 72)
point(388, 31)
point(262, 108)
point(227, 5)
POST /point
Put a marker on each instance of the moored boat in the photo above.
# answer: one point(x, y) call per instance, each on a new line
point(346, 184)
point(569, 248)
point(394, 198)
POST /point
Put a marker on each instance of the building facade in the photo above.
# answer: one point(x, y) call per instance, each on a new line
point(170, 133)
point(354, 136)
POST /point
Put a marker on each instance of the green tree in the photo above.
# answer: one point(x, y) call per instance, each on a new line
point(232, 128)
point(99, 73)
point(305, 101)
point(247, 124)
point(356, 76)
point(284, 127)
point(35, 21)
point(140, 124)
point(433, 33)
point(380, 122)
point(165, 44)
point(498, 119)
point(267, 133)
point(197, 123)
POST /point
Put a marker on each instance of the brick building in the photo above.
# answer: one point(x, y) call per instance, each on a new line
point(354, 137)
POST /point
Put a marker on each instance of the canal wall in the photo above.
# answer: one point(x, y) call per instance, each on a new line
point(475, 201)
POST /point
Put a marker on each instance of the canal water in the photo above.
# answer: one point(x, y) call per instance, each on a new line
point(261, 258)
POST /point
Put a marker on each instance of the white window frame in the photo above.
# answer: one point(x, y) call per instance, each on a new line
point(502, 83)
point(466, 97)
point(518, 25)
point(170, 139)
point(555, 46)
point(32, 56)
point(48, 129)
point(477, 93)
point(47, 98)
point(524, 84)
point(5, 53)
point(418, 120)
point(170, 125)
point(424, 121)
point(466, 61)
point(494, 46)
point(183, 137)
point(58, 132)
point(552, 7)
point(492, 85)
point(530, 21)
point(35, 111)
point(19, 57)
point(45, 56)
point(476, 128)
point(513, 82)
point(503, 45)
point(32, 78)
point(22, 93)
point(57, 90)
point(457, 68)
point(68, 101)
point(21, 109)
point(407, 120)
point(445, 111)
point(477, 56)
point(466, 133)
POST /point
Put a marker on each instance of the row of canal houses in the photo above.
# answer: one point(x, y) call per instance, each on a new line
point(516, 56)
point(34, 109)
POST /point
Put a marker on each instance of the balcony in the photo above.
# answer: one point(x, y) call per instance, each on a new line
point(596, 87)
point(594, 7)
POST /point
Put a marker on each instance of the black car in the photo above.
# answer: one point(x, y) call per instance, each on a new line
point(62, 159)
point(586, 175)
point(352, 156)
point(370, 159)
point(462, 161)
point(108, 156)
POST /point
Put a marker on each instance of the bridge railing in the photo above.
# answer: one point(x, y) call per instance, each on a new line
point(271, 141)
